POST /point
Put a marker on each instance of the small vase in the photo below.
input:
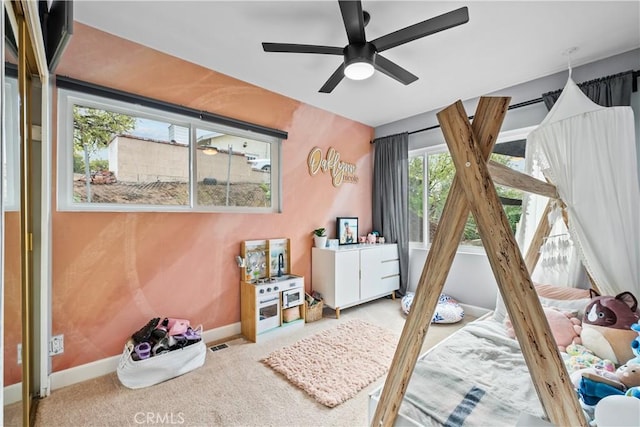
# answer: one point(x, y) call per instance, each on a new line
point(320, 241)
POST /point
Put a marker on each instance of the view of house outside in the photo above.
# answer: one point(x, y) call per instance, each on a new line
point(122, 159)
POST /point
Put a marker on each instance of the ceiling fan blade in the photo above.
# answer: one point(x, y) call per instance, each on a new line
point(393, 70)
point(422, 29)
point(302, 48)
point(353, 20)
point(333, 81)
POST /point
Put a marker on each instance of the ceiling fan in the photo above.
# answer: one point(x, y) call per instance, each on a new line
point(362, 57)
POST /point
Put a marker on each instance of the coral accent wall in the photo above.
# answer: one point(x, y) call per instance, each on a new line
point(12, 303)
point(114, 271)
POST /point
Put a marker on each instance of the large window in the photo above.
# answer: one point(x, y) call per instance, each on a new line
point(431, 172)
point(114, 156)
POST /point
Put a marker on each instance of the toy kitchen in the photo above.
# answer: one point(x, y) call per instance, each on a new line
point(271, 298)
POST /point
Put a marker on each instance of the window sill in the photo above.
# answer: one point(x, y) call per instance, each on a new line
point(468, 250)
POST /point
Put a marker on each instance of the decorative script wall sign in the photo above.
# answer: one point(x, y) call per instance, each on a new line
point(340, 171)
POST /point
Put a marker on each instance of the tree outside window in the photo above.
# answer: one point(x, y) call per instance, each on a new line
point(438, 177)
point(93, 129)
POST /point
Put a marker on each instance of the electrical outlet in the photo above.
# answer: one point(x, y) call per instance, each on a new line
point(56, 345)
point(19, 354)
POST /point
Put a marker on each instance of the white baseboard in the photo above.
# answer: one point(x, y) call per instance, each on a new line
point(98, 368)
point(84, 372)
point(474, 310)
point(221, 333)
point(12, 393)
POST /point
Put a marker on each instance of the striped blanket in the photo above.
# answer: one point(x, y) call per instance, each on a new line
point(478, 377)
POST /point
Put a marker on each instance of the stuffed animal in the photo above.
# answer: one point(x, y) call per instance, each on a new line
point(616, 411)
point(635, 344)
point(597, 374)
point(633, 392)
point(606, 326)
point(580, 357)
point(596, 384)
point(629, 374)
point(565, 327)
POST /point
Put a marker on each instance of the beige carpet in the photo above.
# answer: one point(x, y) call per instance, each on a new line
point(333, 365)
point(233, 388)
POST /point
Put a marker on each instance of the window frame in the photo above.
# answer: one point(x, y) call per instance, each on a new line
point(67, 98)
point(11, 146)
point(503, 137)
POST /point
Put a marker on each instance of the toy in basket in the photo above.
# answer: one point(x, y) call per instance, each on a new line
point(314, 307)
point(159, 351)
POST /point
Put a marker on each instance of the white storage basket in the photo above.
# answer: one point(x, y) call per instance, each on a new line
point(156, 369)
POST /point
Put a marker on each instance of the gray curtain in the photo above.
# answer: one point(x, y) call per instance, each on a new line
point(390, 194)
point(611, 91)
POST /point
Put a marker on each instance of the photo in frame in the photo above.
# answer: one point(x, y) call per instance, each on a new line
point(347, 230)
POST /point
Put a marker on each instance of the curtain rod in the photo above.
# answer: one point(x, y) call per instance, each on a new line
point(635, 75)
point(119, 95)
point(511, 107)
point(94, 89)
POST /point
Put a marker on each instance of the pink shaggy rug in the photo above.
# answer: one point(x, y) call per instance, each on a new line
point(333, 365)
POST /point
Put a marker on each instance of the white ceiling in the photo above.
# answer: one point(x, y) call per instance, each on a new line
point(503, 44)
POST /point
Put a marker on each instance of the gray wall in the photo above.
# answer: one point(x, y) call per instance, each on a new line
point(520, 117)
point(471, 280)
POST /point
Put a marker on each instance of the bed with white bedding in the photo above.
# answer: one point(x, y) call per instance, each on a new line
point(478, 376)
point(475, 377)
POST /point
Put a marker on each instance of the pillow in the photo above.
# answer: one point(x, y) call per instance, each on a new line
point(561, 292)
point(406, 301)
point(448, 310)
point(574, 306)
point(574, 300)
point(565, 327)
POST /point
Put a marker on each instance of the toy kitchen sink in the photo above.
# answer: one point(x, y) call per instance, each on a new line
point(271, 298)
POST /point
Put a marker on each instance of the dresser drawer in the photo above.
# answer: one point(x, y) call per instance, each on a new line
point(389, 252)
point(390, 268)
point(390, 284)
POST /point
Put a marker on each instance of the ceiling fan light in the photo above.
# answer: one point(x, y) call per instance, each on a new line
point(359, 60)
point(358, 70)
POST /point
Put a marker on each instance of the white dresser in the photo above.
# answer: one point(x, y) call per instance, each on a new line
point(352, 274)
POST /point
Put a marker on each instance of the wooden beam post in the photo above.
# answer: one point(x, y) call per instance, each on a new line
point(486, 125)
point(542, 231)
point(539, 349)
point(504, 175)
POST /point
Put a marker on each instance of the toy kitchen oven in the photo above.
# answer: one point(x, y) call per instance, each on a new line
point(271, 298)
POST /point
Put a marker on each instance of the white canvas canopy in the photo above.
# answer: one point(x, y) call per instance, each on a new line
point(588, 152)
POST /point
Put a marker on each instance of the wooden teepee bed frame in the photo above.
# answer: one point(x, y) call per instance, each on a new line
point(473, 190)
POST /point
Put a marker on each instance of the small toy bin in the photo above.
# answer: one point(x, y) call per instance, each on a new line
point(313, 309)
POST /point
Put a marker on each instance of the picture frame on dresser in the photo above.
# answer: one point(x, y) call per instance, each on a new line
point(347, 230)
